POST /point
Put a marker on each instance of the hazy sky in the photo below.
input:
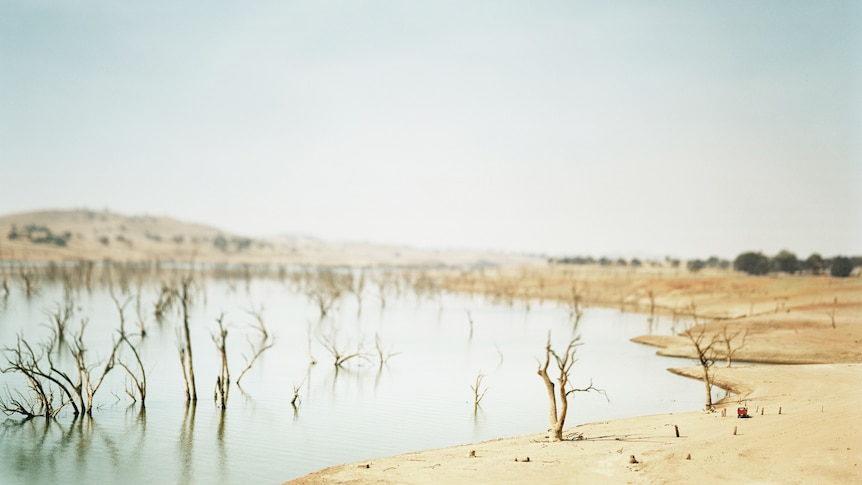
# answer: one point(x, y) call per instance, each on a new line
point(686, 128)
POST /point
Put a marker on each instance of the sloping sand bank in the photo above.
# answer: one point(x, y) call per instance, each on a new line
point(817, 438)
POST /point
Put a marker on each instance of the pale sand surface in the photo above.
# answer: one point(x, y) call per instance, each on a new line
point(816, 439)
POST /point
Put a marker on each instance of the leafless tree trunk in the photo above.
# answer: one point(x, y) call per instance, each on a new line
point(340, 354)
point(325, 290)
point(256, 351)
point(42, 375)
point(29, 281)
point(140, 383)
point(139, 311)
point(357, 288)
point(165, 301)
point(561, 387)
point(186, 354)
point(295, 399)
point(478, 392)
point(381, 293)
point(5, 286)
point(730, 348)
point(59, 319)
point(259, 324)
point(576, 310)
point(22, 359)
point(382, 355)
point(91, 383)
point(705, 350)
point(223, 379)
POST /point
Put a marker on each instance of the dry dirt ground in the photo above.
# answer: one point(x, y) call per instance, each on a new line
point(805, 425)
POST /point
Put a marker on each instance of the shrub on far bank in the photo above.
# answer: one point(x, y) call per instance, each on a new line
point(841, 267)
point(754, 263)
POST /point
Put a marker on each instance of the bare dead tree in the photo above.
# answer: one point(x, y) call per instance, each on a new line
point(296, 388)
point(339, 352)
point(575, 304)
point(357, 288)
point(312, 360)
point(121, 309)
point(23, 359)
point(139, 312)
point(138, 381)
point(168, 295)
point(561, 388)
point(29, 406)
point(324, 290)
point(730, 346)
point(185, 299)
point(259, 324)
point(478, 392)
point(85, 384)
point(4, 285)
point(382, 354)
point(704, 347)
point(77, 388)
point(256, 352)
point(29, 281)
point(381, 292)
point(59, 319)
point(223, 380)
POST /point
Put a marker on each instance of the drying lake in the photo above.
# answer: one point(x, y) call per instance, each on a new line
point(437, 344)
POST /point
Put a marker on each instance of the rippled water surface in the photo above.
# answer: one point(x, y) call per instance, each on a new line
point(419, 399)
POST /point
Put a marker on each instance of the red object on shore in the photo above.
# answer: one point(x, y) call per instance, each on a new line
point(741, 412)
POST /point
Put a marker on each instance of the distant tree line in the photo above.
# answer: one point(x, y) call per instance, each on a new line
point(604, 261)
point(754, 263)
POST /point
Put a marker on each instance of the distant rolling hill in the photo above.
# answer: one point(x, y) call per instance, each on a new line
point(57, 235)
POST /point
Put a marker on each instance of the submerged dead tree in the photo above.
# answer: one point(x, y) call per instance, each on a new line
point(85, 383)
point(76, 388)
point(256, 351)
point(478, 392)
point(185, 347)
point(59, 319)
point(259, 323)
point(41, 381)
point(339, 352)
point(223, 380)
point(138, 381)
point(561, 389)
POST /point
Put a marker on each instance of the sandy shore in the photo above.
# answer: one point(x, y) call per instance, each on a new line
point(805, 425)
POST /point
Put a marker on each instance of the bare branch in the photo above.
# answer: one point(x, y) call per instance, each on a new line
point(256, 353)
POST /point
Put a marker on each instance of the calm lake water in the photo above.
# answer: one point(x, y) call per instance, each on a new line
point(420, 399)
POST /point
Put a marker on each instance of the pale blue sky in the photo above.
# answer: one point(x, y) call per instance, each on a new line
point(687, 128)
